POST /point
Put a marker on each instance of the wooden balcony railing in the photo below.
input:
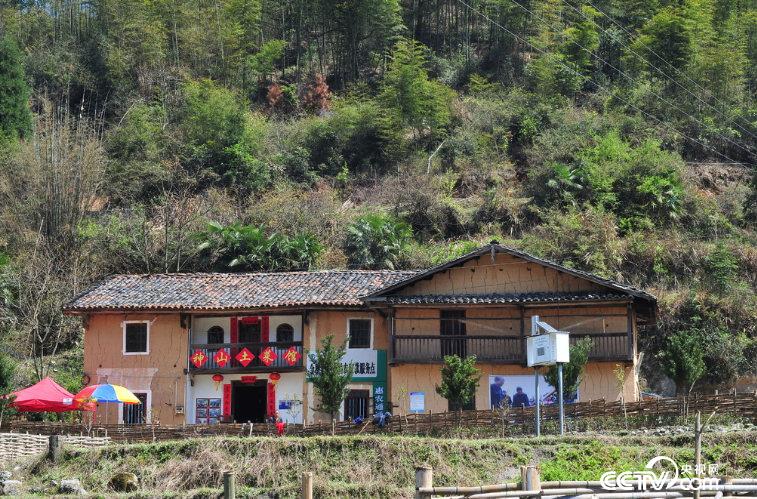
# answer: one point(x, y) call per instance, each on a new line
point(256, 365)
point(432, 349)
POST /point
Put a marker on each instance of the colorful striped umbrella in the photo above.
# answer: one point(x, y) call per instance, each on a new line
point(107, 393)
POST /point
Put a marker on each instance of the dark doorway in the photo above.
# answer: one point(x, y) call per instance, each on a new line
point(249, 333)
point(136, 413)
point(452, 324)
point(248, 402)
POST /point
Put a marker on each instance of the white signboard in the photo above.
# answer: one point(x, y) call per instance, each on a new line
point(364, 360)
point(417, 402)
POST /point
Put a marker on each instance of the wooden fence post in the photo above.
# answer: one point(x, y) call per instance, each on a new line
point(307, 485)
point(424, 478)
point(55, 447)
point(229, 488)
point(529, 478)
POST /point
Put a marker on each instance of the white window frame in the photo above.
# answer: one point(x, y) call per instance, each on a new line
point(370, 347)
point(123, 341)
point(148, 403)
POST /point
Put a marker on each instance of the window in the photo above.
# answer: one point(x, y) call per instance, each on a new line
point(136, 338)
point(136, 413)
point(452, 325)
point(215, 335)
point(356, 404)
point(360, 333)
point(285, 333)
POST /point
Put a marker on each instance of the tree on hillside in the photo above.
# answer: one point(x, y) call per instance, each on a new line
point(376, 241)
point(682, 358)
point(416, 100)
point(330, 375)
point(15, 116)
point(7, 374)
point(460, 378)
point(573, 370)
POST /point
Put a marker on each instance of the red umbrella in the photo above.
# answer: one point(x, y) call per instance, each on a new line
point(47, 396)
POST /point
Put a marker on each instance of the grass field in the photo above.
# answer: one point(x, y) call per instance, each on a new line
point(372, 466)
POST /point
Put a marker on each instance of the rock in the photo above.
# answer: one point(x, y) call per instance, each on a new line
point(124, 482)
point(71, 487)
point(5, 475)
point(11, 488)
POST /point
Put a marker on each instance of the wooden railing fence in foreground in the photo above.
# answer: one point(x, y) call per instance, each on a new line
point(531, 486)
point(742, 406)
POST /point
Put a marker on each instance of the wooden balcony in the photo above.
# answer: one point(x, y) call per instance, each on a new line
point(280, 364)
point(431, 349)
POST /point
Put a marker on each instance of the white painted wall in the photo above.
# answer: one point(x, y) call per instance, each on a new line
point(200, 326)
point(289, 387)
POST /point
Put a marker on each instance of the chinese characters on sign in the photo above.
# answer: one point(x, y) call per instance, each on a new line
point(222, 358)
point(292, 356)
point(244, 357)
point(365, 368)
point(268, 356)
point(380, 404)
point(198, 358)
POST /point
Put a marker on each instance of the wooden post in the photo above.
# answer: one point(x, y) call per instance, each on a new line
point(229, 489)
point(55, 448)
point(529, 478)
point(307, 485)
point(698, 449)
point(424, 478)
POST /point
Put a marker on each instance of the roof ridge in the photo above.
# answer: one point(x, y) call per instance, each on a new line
point(292, 272)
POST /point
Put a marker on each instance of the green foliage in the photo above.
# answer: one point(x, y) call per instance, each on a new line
point(245, 248)
point(329, 375)
point(7, 381)
point(263, 63)
point(682, 358)
point(721, 268)
point(573, 370)
point(414, 99)
point(376, 241)
point(15, 116)
point(460, 378)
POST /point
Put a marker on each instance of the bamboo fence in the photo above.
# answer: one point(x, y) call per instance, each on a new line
point(17, 445)
point(742, 406)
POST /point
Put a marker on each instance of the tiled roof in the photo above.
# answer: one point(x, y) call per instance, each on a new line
point(495, 247)
point(503, 298)
point(204, 291)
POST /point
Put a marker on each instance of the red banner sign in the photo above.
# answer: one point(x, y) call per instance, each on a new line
point(292, 356)
point(222, 358)
point(244, 357)
point(227, 399)
point(198, 358)
point(268, 356)
point(248, 379)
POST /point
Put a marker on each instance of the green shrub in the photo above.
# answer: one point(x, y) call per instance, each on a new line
point(376, 241)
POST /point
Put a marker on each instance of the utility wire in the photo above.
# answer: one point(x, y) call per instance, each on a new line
point(631, 79)
point(701, 88)
point(542, 51)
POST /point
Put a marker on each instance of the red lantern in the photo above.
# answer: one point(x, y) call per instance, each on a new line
point(274, 378)
point(268, 356)
point(292, 356)
point(245, 357)
point(217, 378)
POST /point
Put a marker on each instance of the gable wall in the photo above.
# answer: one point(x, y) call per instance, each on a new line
point(507, 274)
